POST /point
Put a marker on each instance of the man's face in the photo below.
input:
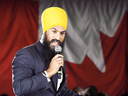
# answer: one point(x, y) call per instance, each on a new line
point(55, 35)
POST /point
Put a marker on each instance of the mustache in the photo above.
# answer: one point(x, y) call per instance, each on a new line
point(55, 40)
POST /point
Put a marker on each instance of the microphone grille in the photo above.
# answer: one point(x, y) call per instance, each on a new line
point(58, 49)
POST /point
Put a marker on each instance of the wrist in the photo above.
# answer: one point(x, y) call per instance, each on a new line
point(48, 73)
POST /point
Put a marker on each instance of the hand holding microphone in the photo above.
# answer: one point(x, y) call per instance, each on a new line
point(56, 62)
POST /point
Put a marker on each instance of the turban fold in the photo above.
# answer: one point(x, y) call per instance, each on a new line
point(54, 16)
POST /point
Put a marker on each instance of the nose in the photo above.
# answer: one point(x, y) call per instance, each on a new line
point(58, 36)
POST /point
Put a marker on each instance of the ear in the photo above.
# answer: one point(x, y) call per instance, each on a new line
point(42, 37)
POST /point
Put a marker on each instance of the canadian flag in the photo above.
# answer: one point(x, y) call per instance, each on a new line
point(95, 47)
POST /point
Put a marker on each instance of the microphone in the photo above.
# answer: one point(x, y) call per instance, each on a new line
point(58, 50)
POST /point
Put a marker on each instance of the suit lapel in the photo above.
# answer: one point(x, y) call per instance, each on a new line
point(64, 79)
point(54, 81)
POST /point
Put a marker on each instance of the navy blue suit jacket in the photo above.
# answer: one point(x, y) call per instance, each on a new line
point(28, 80)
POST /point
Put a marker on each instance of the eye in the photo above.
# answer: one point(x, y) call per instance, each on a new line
point(62, 33)
point(54, 31)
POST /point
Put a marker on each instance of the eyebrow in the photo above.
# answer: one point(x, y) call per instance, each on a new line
point(57, 30)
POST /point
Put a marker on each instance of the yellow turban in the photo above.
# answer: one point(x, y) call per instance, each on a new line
point(54, 16)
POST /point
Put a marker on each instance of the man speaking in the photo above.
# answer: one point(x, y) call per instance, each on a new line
point(39, 69)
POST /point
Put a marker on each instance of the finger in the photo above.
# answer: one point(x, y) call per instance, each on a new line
point(58, 56)
point(59, 59)
point(61, 63)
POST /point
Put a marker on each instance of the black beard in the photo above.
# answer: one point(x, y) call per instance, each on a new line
point(48, 51)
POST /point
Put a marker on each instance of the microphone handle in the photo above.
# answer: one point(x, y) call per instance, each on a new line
point(59, 72)
point(59, 57)
point(60, 68)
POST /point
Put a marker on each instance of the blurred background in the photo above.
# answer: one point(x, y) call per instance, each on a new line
point(96, 48)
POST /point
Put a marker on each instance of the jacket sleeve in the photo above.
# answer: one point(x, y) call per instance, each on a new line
point(24, 78)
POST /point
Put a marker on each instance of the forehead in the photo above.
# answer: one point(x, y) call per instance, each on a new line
point(58, 28)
